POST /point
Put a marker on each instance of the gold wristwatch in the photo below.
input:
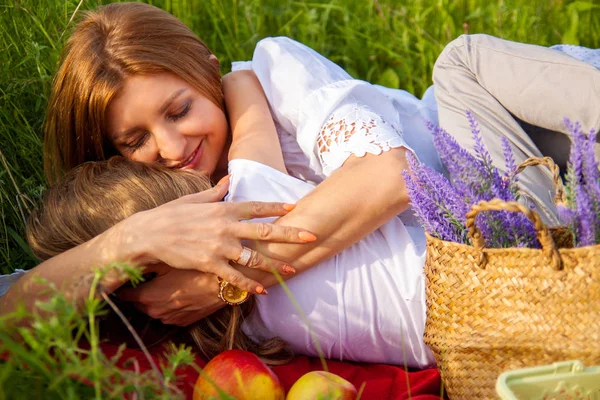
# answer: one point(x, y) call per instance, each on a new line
point(230, 294)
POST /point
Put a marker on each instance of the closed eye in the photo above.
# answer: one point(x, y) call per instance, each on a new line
point(186, 108)
point(139, 142)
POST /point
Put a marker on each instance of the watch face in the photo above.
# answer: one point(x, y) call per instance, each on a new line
point(234, 294)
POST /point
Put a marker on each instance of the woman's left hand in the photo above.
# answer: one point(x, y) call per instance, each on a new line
point(176, 296)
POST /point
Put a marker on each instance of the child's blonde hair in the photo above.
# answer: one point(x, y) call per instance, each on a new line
point(97, 195)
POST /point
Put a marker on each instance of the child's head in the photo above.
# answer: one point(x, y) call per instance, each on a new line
point(109, 45)
point(97, 195)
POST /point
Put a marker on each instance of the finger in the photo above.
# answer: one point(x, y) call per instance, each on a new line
point(211, 195)
point(272, 233)
point(237, 279)
point(258, 209)
point(258, 261)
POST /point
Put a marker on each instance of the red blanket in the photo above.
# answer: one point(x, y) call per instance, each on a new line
point(382, 382)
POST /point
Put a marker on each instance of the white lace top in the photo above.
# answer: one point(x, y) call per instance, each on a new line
point(323, 115)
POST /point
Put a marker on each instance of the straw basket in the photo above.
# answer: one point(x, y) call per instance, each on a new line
point(493, 310)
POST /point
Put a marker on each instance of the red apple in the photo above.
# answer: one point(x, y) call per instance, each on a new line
point(321, 384)
point(239, 374)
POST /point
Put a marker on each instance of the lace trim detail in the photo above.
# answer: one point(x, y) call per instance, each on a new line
point(355, 131)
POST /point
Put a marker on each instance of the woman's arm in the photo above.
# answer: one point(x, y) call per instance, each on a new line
point(254, 136)
point(343, 209)
point(192, 232)
point(71, 272)
point(354, 201)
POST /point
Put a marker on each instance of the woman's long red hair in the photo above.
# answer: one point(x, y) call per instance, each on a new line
point(108, 45)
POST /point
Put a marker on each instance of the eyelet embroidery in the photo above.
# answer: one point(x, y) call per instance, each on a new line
point(355, 131)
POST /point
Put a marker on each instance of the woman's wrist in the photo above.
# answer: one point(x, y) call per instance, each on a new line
point(122, 243)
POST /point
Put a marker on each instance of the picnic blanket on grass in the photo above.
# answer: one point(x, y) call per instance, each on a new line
point(382, 382)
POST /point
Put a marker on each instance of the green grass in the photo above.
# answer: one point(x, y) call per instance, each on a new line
point(390, 42)
point(59, 357)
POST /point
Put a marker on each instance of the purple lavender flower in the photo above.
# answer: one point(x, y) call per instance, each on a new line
point(586, 232)
point(582, 210)
point(460, 163)
point(592, 180)
point(510, 175)
point(502, 228)
point(480, 148)
point(565, 215)
point(521, 229)
point(422, 205)
point(441, 204)
point(576, 156)
point(591, 165)
point(472, 178)
point(435, 202)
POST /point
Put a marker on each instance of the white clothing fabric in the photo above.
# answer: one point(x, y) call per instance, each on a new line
point(590, 56)
point(6, 281)
point(311, 97)
point(365, 304)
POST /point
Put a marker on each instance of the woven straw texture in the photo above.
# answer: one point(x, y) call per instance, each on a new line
point(493, 310)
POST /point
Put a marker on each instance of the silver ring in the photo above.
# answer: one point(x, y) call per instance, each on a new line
point(244, 256)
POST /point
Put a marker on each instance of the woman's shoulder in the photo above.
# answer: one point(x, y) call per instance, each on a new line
point(296, 59)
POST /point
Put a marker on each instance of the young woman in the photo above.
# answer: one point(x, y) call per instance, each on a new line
point(136, 81)
point(119, 90)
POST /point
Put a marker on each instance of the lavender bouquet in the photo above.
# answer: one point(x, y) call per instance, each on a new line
point(581, 213)
point(441, 203)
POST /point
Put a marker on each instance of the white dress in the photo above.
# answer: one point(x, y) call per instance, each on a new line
point(368, 302)
point(365, 304)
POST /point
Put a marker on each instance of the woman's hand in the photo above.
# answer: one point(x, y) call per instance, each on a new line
point(175, 296)
point(195, 233)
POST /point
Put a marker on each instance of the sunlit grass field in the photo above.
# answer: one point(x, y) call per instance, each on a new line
point(390, 42)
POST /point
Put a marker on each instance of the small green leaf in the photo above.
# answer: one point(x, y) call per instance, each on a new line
point(20, 242)
point(582, 6)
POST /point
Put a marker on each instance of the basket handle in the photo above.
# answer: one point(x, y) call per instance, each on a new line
point(542, 232)
point(559, 196)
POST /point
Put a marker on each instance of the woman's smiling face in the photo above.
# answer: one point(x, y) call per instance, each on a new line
point(161, 118)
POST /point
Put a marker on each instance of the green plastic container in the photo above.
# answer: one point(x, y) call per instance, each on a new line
point(559, 381)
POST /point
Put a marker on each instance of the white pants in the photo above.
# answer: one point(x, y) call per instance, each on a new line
point(522, 92)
